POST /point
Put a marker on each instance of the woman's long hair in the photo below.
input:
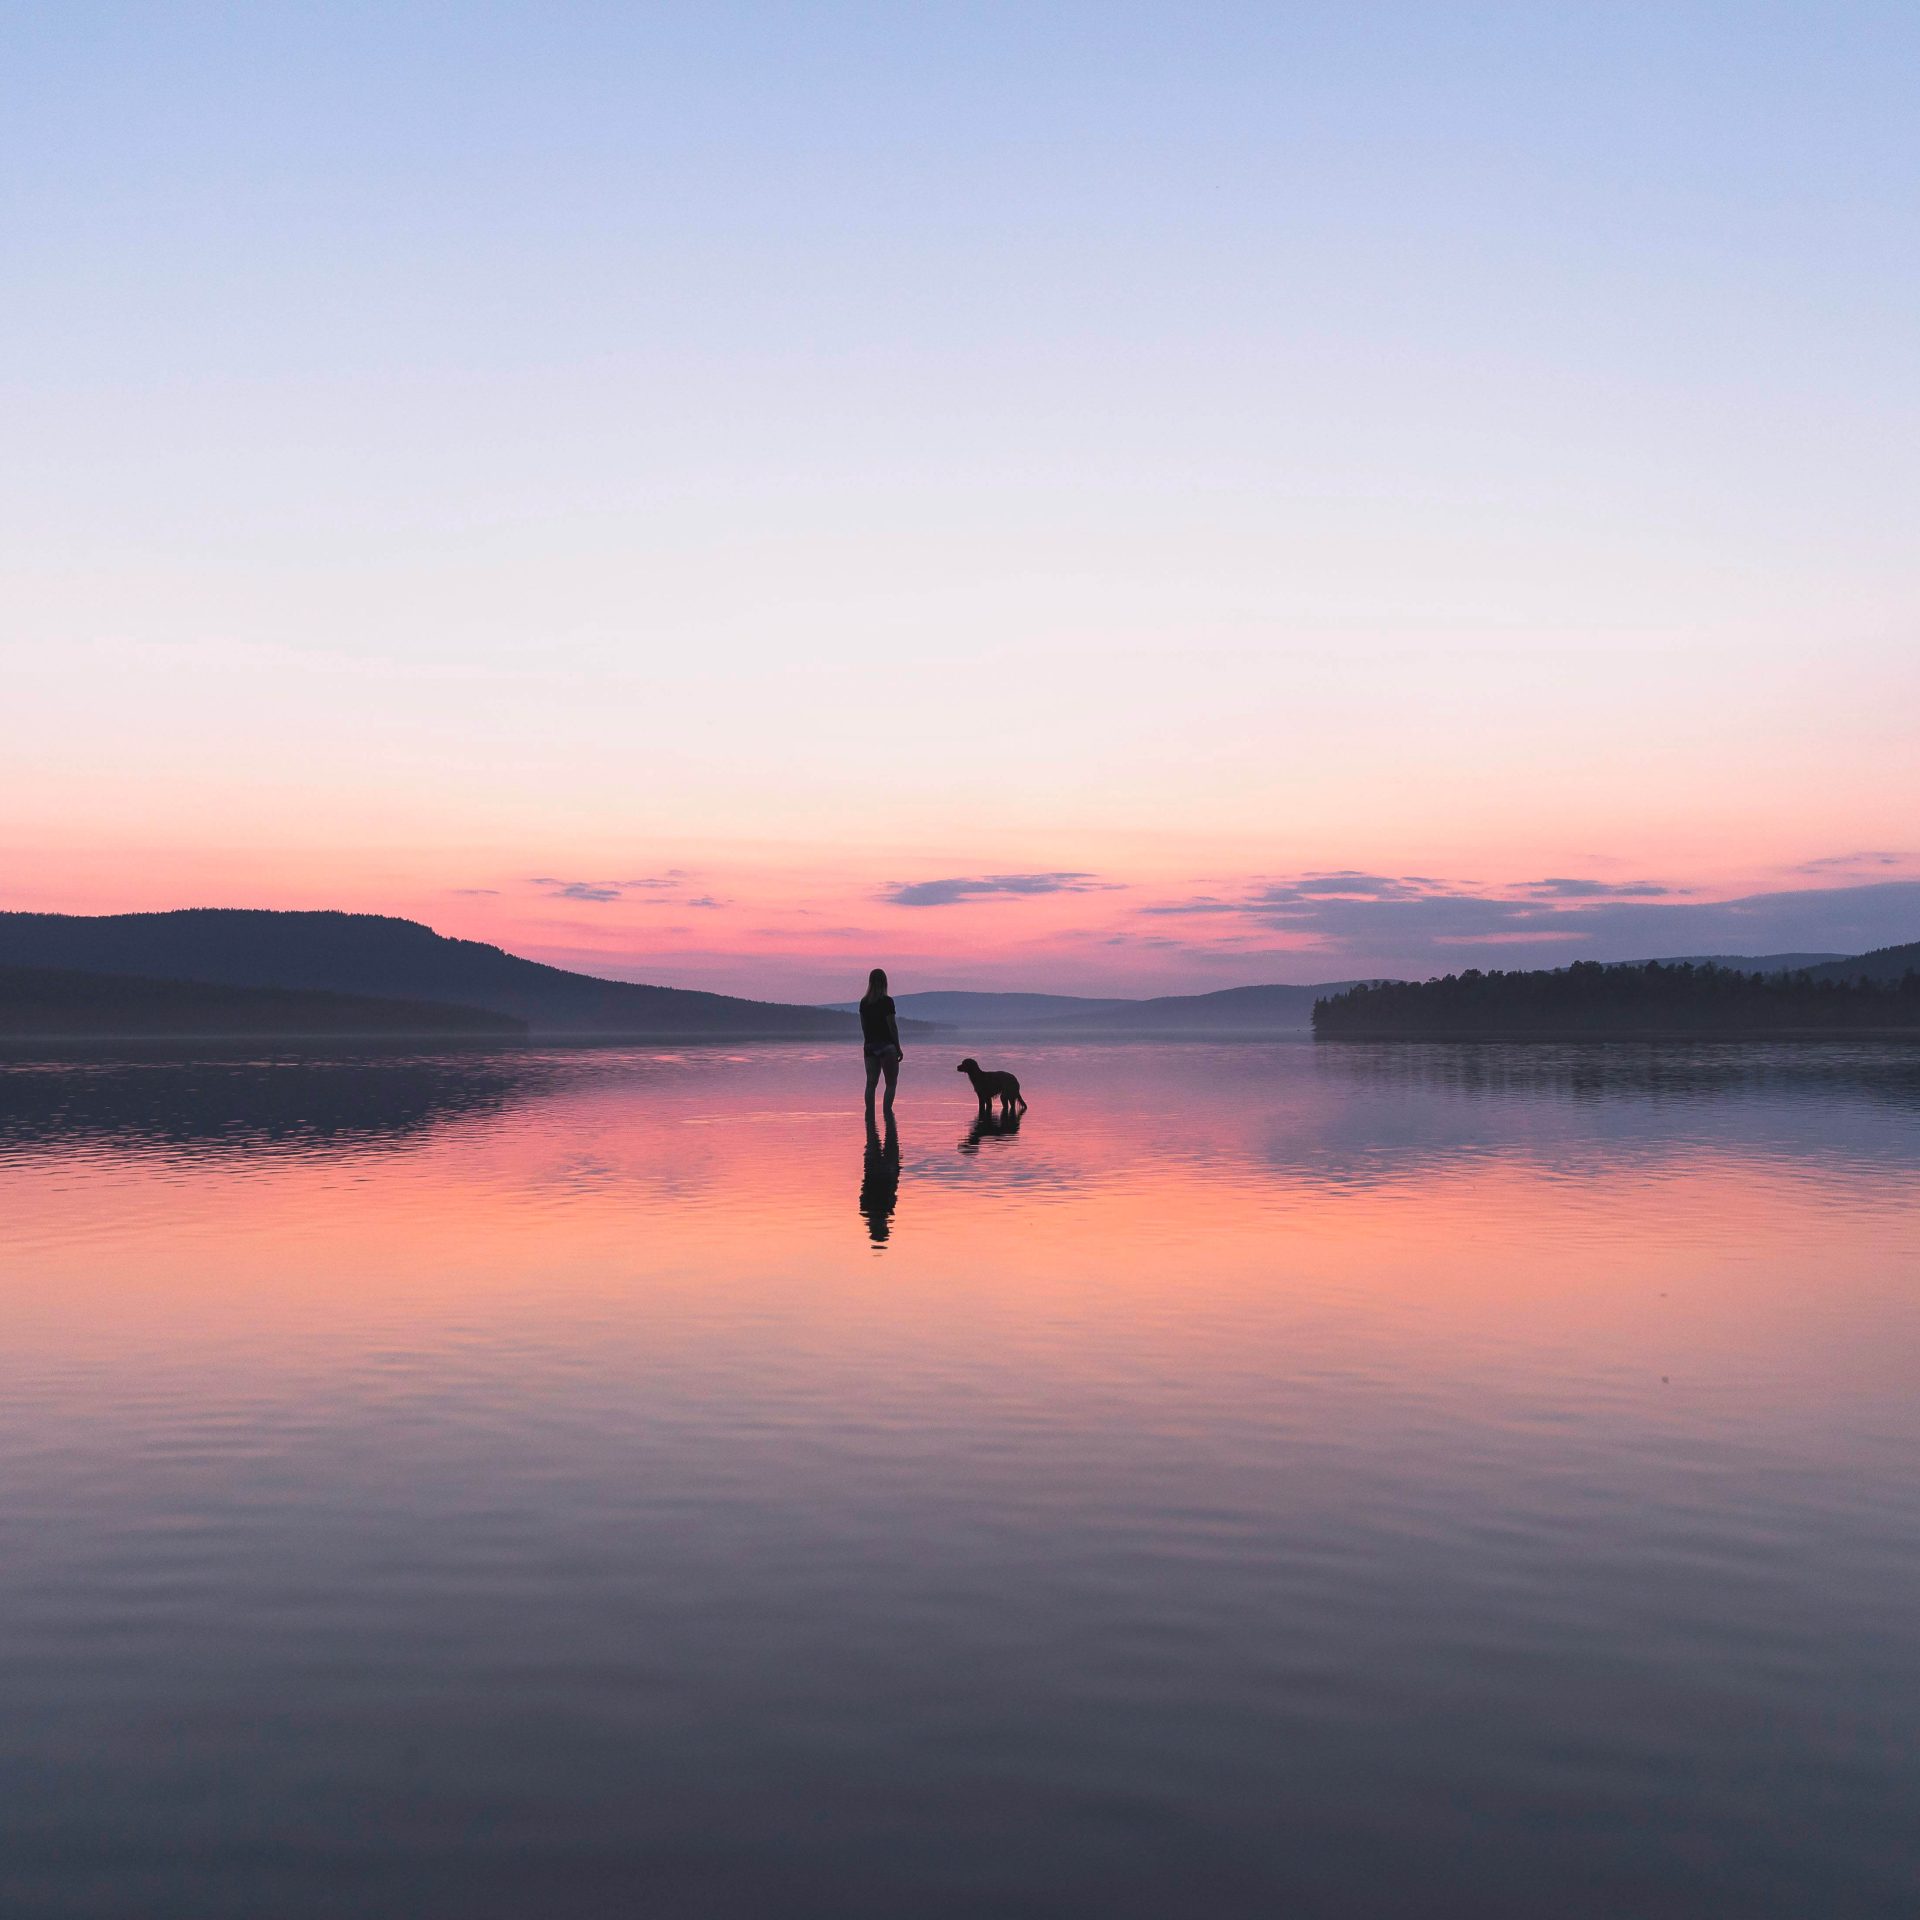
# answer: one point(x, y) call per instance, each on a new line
point(877, 984)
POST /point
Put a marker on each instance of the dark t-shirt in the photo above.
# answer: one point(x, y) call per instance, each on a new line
point(876, 1023)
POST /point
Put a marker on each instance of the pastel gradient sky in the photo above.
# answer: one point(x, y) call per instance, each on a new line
point(1105, 498)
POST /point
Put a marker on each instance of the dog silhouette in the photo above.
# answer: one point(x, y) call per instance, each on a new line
point(993, 1086)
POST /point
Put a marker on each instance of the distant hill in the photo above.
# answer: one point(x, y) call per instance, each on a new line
point(1239, 1010)
point(1591, 1001)
point(1236, 1010)
point(1884, 963)
point(46, 1003)
point(1745, 962)
point(992, 1009)
point(371, 954)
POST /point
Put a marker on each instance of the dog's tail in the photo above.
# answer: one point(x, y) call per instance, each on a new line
point(1022, 1098)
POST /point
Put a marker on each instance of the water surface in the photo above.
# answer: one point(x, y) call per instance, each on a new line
point(1338, 1481)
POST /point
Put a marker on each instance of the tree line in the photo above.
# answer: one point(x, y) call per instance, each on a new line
point(1589, 998)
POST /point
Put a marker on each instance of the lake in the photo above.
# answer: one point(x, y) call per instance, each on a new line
point(1336, 1481)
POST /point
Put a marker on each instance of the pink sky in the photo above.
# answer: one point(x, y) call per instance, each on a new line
point(1198, 458)
point(774, 922)
point(1162, 815)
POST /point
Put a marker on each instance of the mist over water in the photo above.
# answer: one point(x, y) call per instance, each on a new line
point(1339, 1480)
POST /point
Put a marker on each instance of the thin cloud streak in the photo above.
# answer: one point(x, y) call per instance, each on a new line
point(947, 893)
point(1858, 862)
point(1565, 889)
point(654, 889)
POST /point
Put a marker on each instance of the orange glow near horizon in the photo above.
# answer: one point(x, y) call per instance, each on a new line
point(1129, 917)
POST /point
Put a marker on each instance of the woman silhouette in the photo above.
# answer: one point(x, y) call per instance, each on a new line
point(880, 1038)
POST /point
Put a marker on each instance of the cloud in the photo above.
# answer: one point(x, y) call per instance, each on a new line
point(1303, 896)
point(1410, 926)
point(1202, 903)
point(1347, 885)
point(946, 893)
point(1857, 862)
point(1593, 889)
point(662, 887)
point(1314, 895)
point(470, 891)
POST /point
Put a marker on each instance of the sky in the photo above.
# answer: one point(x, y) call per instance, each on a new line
point(1113, 498)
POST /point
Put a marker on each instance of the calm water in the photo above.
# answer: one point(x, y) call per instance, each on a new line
point(1272, 1481)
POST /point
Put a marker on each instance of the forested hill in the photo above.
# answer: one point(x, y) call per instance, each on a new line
point(56, 1003)
point(1884, 963)
point(1590, 1000)
point(1227, 1010)
point(365, 953)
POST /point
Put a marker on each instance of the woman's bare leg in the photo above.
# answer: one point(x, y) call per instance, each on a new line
point(893, 1080)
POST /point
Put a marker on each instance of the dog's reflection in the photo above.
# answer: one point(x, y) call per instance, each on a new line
point(880, 1179)
point(990, 1125)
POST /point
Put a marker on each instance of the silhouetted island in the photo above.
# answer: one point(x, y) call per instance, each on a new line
point(1589, 1000)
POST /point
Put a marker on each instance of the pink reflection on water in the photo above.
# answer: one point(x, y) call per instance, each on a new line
point(1186, 1225)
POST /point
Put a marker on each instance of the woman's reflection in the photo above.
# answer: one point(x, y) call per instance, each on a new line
point(880, 1179)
